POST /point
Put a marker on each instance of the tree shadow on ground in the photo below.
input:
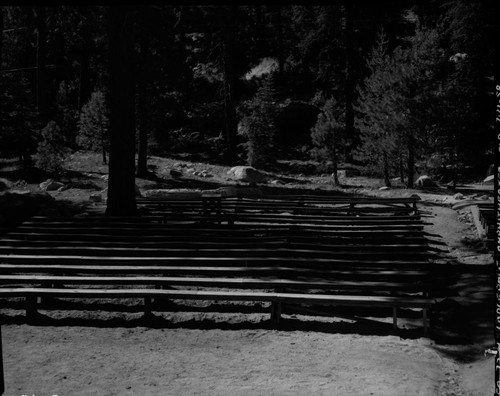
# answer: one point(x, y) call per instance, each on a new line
point(463, 325)
point(214, 315)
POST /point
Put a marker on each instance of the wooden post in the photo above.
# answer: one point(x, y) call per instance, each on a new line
point(395, 318)
point(276, 309)
point(275, 312)
point(147, 306)
point(351, 207)
point(31, 311)
point(424, 318)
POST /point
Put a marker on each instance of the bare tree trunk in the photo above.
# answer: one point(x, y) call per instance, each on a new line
point(411, 161)
point(456, 168)
point(83, 78)
point(387, 178)
point(142, 154)
point(103, 146)
point(121, 184)
point(335, 169)
point(2, 382)
point(349, 78)
point(401, 170)
point(281, 54)
point(1, 92)
point(41, 101)
point(229, 80)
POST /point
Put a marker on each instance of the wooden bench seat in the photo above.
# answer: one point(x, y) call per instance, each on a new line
point(345, 272)
point(226, 241)
point(341, 220)
point(221, 282)
point(276, 298)
point(255, 248)
point(225, 258)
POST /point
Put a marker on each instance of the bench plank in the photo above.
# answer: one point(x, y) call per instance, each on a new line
point(345, 300)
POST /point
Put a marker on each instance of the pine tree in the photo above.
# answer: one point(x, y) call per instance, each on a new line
point(381, 115)
point(328, 135)
point(259, 125)
point(51, 149)
point(93, 125)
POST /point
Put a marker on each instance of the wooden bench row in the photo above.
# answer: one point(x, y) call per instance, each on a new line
point(369, 260)
point(276, 298)
point(303, 205)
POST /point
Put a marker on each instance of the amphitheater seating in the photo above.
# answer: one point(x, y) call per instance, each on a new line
point(298, 250)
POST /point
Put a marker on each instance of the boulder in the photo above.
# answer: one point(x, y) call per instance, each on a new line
point(425, 181)
point(247, 174)
point(50, 185)
point(458, 196)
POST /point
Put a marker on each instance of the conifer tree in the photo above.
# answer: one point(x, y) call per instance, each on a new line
point(328, 135)
point(381, 115)
point(93, 125)
point(259, 125)
point(51, 149)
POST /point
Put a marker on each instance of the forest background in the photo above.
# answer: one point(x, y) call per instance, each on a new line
point(392, 89)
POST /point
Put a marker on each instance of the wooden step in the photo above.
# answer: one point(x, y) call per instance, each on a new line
point(344, 300)
point(349, 270)
point(239, 283)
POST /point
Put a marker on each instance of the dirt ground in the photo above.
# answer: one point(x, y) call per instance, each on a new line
point(200, 352)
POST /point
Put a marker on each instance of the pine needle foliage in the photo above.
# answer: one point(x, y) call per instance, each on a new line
point(328, 135)
point(51, 150)
point(93, 125)
point(259, 126)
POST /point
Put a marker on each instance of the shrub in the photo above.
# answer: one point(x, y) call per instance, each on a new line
point(51, 149)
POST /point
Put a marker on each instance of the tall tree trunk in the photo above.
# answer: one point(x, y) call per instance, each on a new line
point(121, 183)
point(142, 155)
point(103, 146)
point(228, 34)
point(281, 50)
point(1, 83)
point(83, 78)
point(387, 178)
point(335, 168)
point(41, 89)
point(349, 79)
point(411, 161)
point(2, 383)
point(401, 169)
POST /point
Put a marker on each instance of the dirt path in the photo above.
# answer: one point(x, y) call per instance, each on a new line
point(144, 361)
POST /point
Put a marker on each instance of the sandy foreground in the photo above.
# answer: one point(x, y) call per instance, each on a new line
point(144, 361)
